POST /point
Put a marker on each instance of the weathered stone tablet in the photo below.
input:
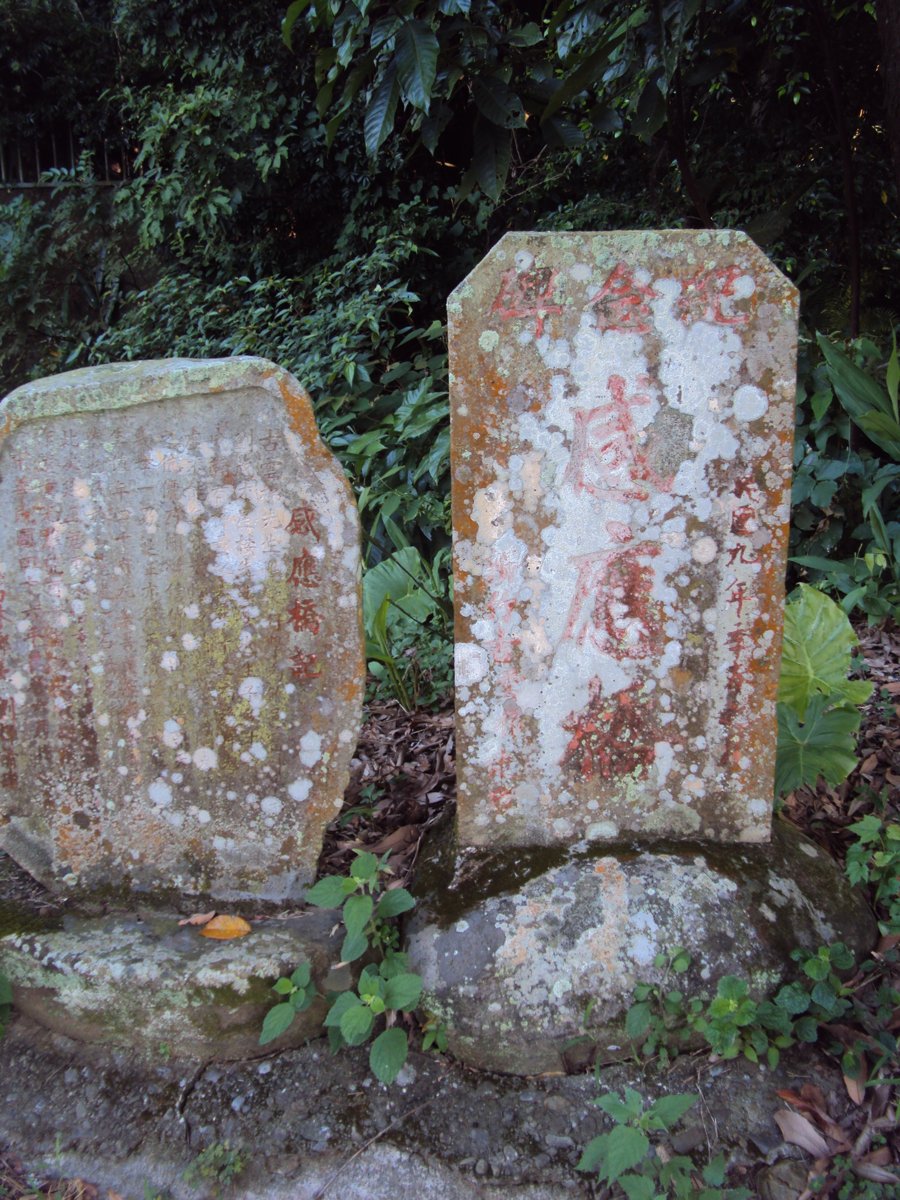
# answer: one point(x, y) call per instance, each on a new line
point(181, 666)
point(622, 408)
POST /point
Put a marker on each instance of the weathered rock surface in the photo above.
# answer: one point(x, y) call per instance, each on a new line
point(181, 667)
point(514, 948)
point(147, 985)
point(622, 421)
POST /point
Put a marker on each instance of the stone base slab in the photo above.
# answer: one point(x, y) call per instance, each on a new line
point(145, 983)
point(513, 949)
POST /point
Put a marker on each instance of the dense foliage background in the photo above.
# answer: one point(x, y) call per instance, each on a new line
point(308, 183)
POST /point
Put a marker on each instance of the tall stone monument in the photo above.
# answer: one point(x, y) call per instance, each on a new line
point(622, 417)
point(622, 408)
point(181, 665)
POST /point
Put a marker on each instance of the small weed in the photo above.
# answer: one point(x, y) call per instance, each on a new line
point(874, 858)
point(218, 1165)
point(624, 1157)
point(384, 990)
point(662, 1022)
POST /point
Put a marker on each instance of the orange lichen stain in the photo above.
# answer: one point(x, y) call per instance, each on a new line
point(681, 679)
point(299, 411)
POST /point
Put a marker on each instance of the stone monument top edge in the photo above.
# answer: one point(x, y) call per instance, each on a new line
point(126, 384)
point(624, 240)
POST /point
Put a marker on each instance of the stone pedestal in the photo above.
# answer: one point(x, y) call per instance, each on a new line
point(514, 947)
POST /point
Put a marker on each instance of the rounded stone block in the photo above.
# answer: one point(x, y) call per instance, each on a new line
point(514, 948)
point(150, 985)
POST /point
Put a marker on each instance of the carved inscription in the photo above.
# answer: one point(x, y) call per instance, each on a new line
point(620, 535)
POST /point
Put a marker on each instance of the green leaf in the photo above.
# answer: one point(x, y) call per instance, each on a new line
point(356, 1024)
point(822, 745)
point(497, 103)
point(614, 1107)
point(275, 1022)
point(353, 947)
point(364, 867)
point(637, 1020)
point(527, 35)
point(294, 11)
point(328, 893)
point(815, 655)
point(626, 1147)
point(857, 391)
point(395, 902)
point(357, 911)
point(343, 1001)
point(416, 58)
point(491, 158)
point(379, 118)
point(638, 1187)
point(883, 430)
point(593, 1154)
point(793, 998)
point(302, 975)
point(402, 992)
point(583, 77)
point(893, 378)
point(669, 1109)
point(283, 987)
point(817, 967)
point(732, 987)
point(388, 1054)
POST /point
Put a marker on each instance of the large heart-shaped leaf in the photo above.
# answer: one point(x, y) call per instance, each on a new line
point(815, 656)
point(821, 745)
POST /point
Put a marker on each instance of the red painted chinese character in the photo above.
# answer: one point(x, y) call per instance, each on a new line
point(303, 665)
point(527, 294)
point(739, 553)
point(611, 608)
point(604, 459)
point(303, 520)
point(622, 303)
point(305, 570)
point(737, 595)
point(304, 617)
point(709, 296)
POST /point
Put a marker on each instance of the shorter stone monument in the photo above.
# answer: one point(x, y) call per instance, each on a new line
point(181, 684)
point(182, 673)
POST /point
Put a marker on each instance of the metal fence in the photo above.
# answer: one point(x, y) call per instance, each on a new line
point(25, 162)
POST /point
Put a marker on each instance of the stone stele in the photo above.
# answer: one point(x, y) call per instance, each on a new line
point(181, 667)
point(622, 408)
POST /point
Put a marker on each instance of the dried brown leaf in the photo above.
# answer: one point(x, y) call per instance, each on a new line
point(198, 918)
point(800, 1132)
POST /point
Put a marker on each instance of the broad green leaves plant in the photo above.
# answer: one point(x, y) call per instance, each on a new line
point(625, 1156)
point(817, 704)
point(384, 990)
point(874, 858)
point(844, 527)
point(663, 1023)
point(875, 411)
